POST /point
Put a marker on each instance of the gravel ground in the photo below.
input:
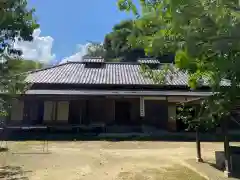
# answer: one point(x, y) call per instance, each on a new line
point(90, 160)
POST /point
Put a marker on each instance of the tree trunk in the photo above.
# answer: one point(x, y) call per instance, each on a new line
point(227, 171)
point(198, 145)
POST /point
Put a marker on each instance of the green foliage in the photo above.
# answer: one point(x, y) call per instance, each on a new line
point(95, 49)
point(16, 22)
point(127, 5)
point(18, 66)
point(13, 74)
point(124, 42)
point(117, 45)
point(160, 75)
point(205, 37)
point(186, 114)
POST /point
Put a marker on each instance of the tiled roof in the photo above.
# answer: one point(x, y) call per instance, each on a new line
point(111, 73)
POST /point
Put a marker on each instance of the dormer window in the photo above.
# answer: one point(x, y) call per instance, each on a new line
point(151, 63)
point(93, 62)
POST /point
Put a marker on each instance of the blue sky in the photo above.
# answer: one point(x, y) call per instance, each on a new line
point(71, 24)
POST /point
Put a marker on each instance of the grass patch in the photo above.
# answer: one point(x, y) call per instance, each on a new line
point(171, 173)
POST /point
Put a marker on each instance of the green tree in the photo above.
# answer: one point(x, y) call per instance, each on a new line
point(116, 43)
point(19, 66)
point(95, 49)
point(204, 36)
point(16, 22)
point(120, 44)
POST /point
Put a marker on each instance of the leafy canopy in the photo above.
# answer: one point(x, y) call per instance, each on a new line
point(16, 22)
point(204, 35)
point(116, 43)
point(95, 49)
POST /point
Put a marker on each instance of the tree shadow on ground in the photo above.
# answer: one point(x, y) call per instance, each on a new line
point(234, 174)
point(13, 173)
point(99, 136)
point(3, 149)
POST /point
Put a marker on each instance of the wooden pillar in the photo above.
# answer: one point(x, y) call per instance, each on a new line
point(55, 111)
point(172, 120)
point(142, 109)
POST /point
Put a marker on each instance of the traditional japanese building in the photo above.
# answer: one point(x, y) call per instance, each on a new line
point(97, 93)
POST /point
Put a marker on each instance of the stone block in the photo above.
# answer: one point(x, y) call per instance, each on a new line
point(235, 162)
point(220, 159)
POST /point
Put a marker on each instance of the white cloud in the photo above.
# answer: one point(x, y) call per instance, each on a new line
point(40, 49)
point(82, 50)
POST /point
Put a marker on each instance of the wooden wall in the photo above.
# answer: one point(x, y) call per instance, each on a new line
point(158, 112)
point(17, 111)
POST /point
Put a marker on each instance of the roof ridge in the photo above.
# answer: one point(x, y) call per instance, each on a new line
point(82, 62)
point(51, 67)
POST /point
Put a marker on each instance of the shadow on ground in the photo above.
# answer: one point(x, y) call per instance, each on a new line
point(13, 173)
point(94, 136)
point(234, 174)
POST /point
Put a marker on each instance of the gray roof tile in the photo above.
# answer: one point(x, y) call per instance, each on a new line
point(89, 59)
point(111, 73)
point(148, 61)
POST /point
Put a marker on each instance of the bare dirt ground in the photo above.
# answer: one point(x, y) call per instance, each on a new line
point(103, 160)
